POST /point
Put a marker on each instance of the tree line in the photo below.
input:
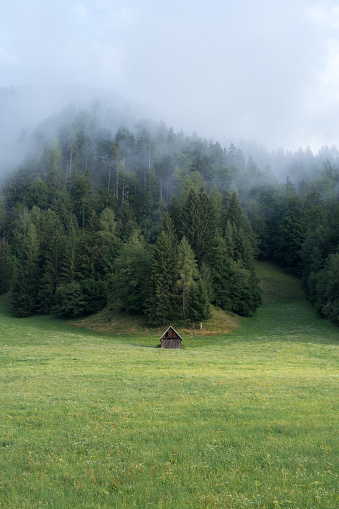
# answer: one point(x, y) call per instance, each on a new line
point(159, 223)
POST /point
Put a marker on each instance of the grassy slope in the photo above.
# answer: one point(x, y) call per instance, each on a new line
point(248, 419)
point(120, 323)
point(276, 286)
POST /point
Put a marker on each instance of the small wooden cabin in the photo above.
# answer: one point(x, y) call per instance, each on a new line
point(170, 339)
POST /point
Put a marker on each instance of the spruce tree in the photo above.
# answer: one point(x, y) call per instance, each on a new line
point(51, 236)
point(235, 213)
point(216, 200)
point(6, 267)
point(51, 277)
point(26, 282)
point(131, 275)
point(174, 211)
point(198, 309)
point(235, 287)
point(162, 303)
point(244, 242)
point(107, 226)
point(198, 223)
point(220, 270)
point(245, 294)
point(69, 257)
point(188, 271)
point(90, 250)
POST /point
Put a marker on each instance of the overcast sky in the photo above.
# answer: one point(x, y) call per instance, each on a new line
point(260, 69)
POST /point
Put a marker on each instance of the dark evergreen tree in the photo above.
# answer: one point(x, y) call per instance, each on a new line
point(69, 301)
point(129, 285)
point(198, 223)
point(69, 256)
point(27, 274)
point(6, 267)
point(188, 271)
point(245, 294)
point(220, 272)
point(205, 273)
point(292, 233)
point(91, 249)
point(162, 303)
point(80, 189)
point(198, 308)
point(94, 295)
point(244, 242)
point(127, 223)
point(325, 286)
point(235, 213)
point(235, 285)
point(107, 227)
point(79, 298)
point(216, 200)
point(50, 279)
point(174, 211)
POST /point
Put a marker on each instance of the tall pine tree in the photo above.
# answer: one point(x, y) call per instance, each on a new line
point(50, 279)
point(199, 309)
point(198, 223)
point(188, 271)
point(6, 267)
point(26, 282)
point(162, 303)
point(131, 275)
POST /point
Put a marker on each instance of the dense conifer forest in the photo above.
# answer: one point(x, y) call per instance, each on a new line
point(161, 223)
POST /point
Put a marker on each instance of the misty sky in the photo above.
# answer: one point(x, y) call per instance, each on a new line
point(260, 69)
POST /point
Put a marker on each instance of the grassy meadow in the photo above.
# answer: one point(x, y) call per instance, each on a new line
point(244, 415)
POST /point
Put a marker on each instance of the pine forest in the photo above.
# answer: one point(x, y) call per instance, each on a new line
point(160, 223)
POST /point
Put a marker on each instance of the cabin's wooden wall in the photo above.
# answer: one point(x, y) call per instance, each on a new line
point(170, 343)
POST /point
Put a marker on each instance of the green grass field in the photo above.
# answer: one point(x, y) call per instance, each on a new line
point(247, 418)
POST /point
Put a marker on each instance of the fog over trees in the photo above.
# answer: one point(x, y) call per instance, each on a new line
point(99, 207)
point(263, 70)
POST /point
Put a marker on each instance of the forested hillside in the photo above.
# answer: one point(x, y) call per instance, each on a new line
point(161, 223)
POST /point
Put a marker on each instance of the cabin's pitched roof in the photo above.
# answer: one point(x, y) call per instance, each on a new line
point(170, 327)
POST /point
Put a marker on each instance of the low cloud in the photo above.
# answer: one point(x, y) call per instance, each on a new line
point(224, 69)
